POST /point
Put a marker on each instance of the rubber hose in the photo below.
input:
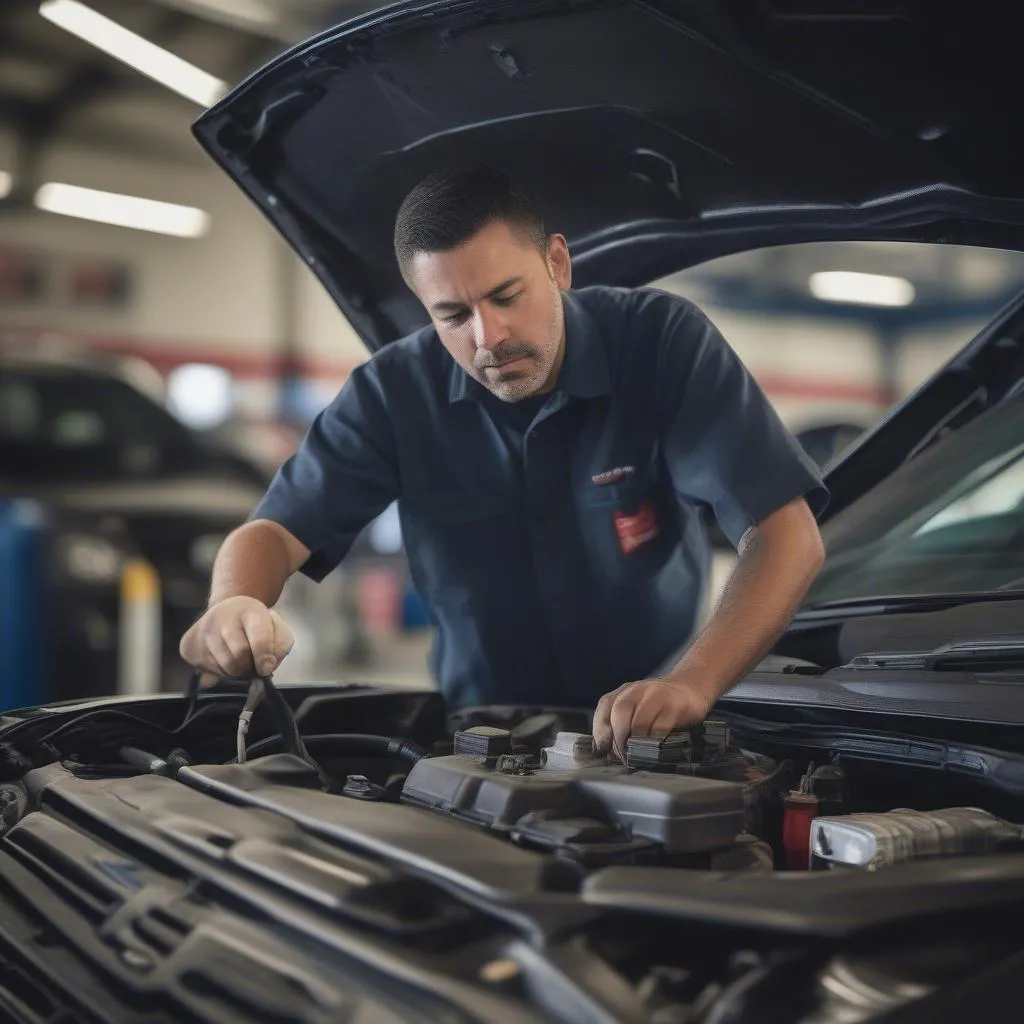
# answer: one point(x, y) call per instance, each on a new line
point(353, 742)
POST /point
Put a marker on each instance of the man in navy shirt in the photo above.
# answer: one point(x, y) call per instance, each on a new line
point(550, 451)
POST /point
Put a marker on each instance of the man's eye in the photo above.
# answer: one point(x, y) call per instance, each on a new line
point(455, 318)
point(506, 300)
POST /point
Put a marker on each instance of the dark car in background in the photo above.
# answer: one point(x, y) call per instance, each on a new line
point(114, 477)
point(843, 842)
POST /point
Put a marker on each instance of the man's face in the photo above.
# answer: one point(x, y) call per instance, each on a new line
point(497, 306)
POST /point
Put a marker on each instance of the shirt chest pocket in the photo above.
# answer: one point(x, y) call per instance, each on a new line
point(629, 527)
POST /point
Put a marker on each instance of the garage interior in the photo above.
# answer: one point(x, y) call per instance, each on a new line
point(162, 351)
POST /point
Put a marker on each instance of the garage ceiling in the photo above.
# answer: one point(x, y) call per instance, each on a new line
point(54, 85)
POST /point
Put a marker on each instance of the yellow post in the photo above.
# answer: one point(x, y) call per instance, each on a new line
point(139, 654)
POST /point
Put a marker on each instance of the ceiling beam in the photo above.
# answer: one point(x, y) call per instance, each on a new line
point(39, 122)
point(99, 77)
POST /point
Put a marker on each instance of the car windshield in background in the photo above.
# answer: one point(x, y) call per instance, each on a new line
point(949, 522)
point(65, 426)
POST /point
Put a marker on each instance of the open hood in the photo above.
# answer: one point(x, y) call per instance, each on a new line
point(656, 135)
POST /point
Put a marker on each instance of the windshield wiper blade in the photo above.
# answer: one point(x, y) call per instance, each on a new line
point(996, 652)
point(883, 604)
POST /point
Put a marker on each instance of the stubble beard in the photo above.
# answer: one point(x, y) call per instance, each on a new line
point(515, 389)
point(519, 384)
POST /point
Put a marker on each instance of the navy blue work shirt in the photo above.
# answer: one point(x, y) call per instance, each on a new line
point(557, 543)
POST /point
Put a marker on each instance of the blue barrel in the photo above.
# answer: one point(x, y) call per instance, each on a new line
point(22, 605)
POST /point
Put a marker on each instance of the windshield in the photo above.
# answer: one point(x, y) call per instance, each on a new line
point(951, 521)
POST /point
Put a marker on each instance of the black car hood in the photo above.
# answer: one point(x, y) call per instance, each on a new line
point(656, 135)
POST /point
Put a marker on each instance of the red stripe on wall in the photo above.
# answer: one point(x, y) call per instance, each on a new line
point(165, 355)
point(780, 385)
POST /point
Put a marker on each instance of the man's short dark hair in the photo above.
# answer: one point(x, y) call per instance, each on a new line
point(450, 207)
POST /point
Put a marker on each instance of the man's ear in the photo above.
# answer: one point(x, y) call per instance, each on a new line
point(559, 261)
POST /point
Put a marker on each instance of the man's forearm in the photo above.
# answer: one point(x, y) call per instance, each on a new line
point(778, 562)
point(254, 561)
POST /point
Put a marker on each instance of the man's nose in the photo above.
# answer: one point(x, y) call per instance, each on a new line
point(490, 328)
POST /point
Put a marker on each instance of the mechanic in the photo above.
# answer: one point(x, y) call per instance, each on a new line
point(550, 450)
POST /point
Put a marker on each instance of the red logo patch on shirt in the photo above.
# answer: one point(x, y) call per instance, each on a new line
point(637, 529)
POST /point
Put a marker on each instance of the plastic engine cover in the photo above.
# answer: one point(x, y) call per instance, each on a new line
point(682, 813)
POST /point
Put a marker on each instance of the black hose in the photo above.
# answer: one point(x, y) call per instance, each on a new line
point(288, 728)
point(351, 743)
point(778, 983)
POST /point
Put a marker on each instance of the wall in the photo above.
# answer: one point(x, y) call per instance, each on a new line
point(225, 295)
point(328, 344)
point(236, 296)
point(213, 295)
point(923, 351)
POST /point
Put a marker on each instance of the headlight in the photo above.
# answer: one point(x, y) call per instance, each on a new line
point(90, 559)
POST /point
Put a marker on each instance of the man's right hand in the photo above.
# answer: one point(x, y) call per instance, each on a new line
point(238, 636)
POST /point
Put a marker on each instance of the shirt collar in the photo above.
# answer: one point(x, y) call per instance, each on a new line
point(584, 372)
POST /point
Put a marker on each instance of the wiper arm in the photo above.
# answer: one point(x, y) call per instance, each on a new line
point(996, 652)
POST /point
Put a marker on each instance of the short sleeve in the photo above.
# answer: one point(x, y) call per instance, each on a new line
point(343, 475)
point(725, 446)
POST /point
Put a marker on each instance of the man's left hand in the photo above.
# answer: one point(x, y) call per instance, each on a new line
point(651, 707)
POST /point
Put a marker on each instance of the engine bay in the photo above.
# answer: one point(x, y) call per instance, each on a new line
point(690, 799)
point(495, 841)
point(710, 797)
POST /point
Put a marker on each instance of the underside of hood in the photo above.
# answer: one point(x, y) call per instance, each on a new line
point(655, 135)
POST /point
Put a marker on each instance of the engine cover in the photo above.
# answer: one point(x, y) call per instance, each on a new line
point(682, 814)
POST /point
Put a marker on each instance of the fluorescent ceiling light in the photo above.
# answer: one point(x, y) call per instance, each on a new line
point(124, 211)
point(6, 184)
point(259, 11)
point(146, 57)
point(861, 289)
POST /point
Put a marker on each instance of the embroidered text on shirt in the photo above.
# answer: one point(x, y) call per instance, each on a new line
point(611, 476)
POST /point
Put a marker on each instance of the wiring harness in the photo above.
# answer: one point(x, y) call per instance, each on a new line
point(262, 690)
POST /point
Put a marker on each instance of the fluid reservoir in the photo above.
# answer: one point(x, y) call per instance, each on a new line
point(800, 812)
point(801, 806)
